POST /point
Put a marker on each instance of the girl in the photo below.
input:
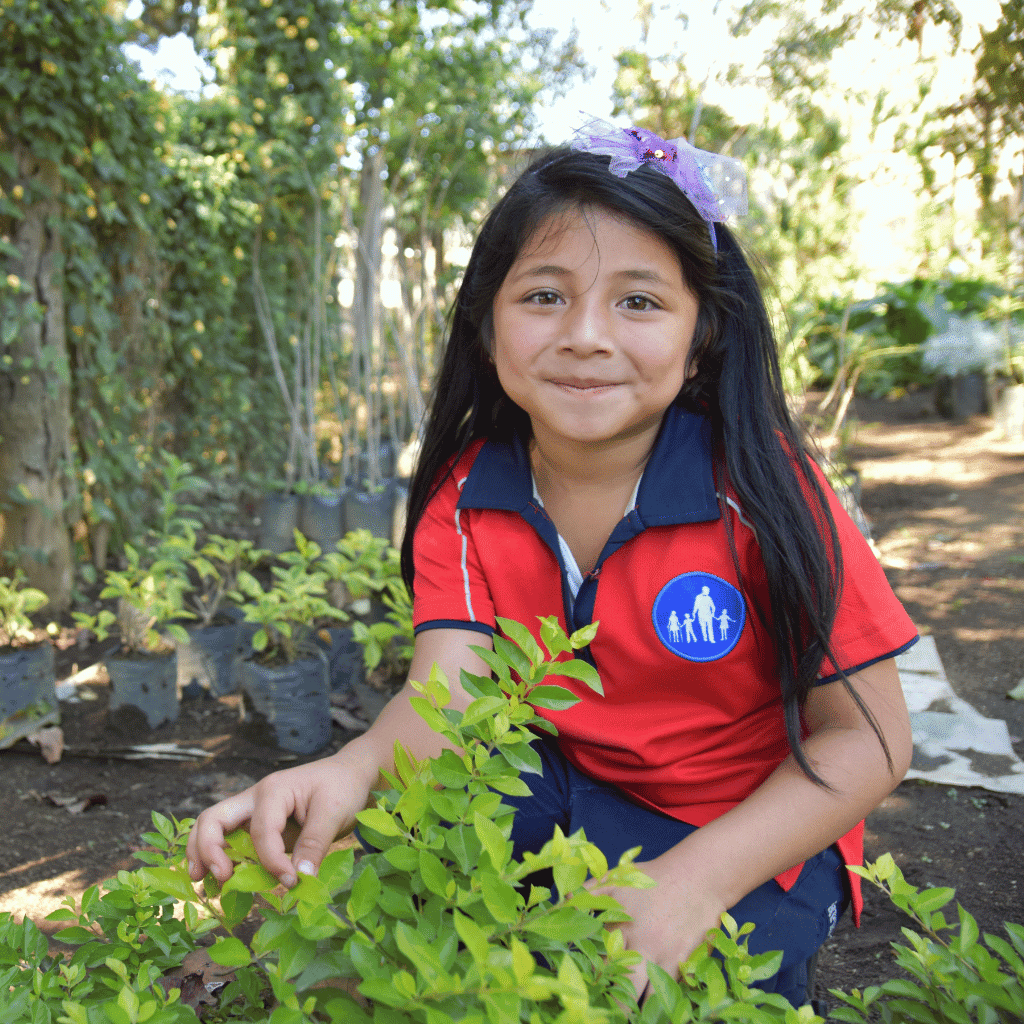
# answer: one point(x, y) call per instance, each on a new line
point(609, 441)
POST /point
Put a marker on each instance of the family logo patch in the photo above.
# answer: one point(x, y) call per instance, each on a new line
point(699, 616)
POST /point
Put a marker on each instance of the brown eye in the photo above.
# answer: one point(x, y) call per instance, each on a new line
point(544, 298)
point(638, 303)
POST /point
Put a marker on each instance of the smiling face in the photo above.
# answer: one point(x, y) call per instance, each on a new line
point(592, 328)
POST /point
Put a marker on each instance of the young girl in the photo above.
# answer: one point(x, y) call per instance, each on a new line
point(609, 441)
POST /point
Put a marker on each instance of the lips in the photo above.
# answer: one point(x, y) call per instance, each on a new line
point(582, 383)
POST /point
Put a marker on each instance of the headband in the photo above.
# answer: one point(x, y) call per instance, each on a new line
point(716, 185)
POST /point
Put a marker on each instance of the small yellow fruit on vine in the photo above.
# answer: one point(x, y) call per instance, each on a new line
point(49, 67)
point(91, 212)
point(13, 281)
point(291, 32)
point(259, 103)
point(239, 254)
point(18, 192)
point(225, 280)
point(272, 235)
point(302, 21)
point(312, 44)
point(280, 79)
point(199, 327)
point(144, 198)
point(197, 353)
point(257, 117)
point(172, 223)
point(281, 21)
point(78, 331)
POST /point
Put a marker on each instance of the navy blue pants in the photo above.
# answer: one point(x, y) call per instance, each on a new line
point(796, 922)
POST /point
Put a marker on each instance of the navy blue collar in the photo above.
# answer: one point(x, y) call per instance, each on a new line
point(678, 485)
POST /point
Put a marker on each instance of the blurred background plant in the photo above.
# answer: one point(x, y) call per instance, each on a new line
point(254, 277)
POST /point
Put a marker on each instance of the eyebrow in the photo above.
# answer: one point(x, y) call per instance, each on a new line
point(555, 270)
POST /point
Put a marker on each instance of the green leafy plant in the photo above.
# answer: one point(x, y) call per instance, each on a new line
point(954, 978)
point(213, 571)
point(150, 597)
point(17, 603)
point(363, 568)
point(291, 610)
point(438, 923)
point(389, 642)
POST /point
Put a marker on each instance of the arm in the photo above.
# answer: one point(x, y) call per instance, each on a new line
point(325, 796)
point(786, 820)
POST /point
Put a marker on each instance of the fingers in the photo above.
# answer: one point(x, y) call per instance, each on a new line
point(326, 819)
point(205, 847)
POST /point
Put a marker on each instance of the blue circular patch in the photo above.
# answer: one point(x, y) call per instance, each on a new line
point(699, 616)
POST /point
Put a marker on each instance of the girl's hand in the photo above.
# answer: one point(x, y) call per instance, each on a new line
point(669, 920)
point(323, 796)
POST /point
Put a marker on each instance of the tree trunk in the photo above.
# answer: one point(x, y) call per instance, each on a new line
point(36, 482)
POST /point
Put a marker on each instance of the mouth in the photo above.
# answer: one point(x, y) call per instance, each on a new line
point(582, 385)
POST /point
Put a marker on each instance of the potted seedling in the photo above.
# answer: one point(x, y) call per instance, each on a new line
point(143, 664)
point(27, 697)
point(214, 629)
point(284, 679)
point(366, 579)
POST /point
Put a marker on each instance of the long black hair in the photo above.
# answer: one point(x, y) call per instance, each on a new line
point(733, 378)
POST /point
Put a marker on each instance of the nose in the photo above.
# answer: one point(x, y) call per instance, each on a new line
point(588, 328)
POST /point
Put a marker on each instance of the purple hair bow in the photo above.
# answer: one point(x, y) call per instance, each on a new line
point(715, 184)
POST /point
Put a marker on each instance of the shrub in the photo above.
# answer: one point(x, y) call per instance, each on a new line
point(439, 923)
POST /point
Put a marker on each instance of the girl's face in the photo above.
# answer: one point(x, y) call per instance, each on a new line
point(592, 328)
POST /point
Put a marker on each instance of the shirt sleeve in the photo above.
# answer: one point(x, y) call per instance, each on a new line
point(450, 590)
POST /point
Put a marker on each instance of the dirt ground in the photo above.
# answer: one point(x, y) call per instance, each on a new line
point(946, 505)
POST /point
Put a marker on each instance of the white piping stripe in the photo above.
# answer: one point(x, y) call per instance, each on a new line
point(743, 519)
point(465, 572)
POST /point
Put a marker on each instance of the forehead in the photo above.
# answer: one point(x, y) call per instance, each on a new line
point(592, 231)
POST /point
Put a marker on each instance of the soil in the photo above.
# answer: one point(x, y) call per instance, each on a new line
point(945, 501)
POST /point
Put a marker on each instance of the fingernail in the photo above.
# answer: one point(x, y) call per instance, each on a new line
point(305, 867)
point(287, 880)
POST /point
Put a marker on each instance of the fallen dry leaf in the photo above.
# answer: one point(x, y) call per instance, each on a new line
point(50, 742)
point(76, 804)
point(198, 978)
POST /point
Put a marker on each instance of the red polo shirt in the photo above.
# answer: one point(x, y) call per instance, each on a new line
point(691, 721)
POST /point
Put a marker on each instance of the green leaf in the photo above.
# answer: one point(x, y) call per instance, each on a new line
point(174, 882)
point(419, 952)
point(498, 848)
point(230, 952)
point(405, 858)
point(380, 821)
point(584, 636)
point(434, 874)
point(522, 757)
point(236, 906)
point(465, 846)
point(250, 878)
point(500, 898)
point(553, 636)
point(512, 656)
point(75, 936)
point(521, 636)
point(563, 925)
point(554, 698)
point(336, 869)
point(581, 670)
point(364, 894)
point(484, 707)
point(473, 936)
